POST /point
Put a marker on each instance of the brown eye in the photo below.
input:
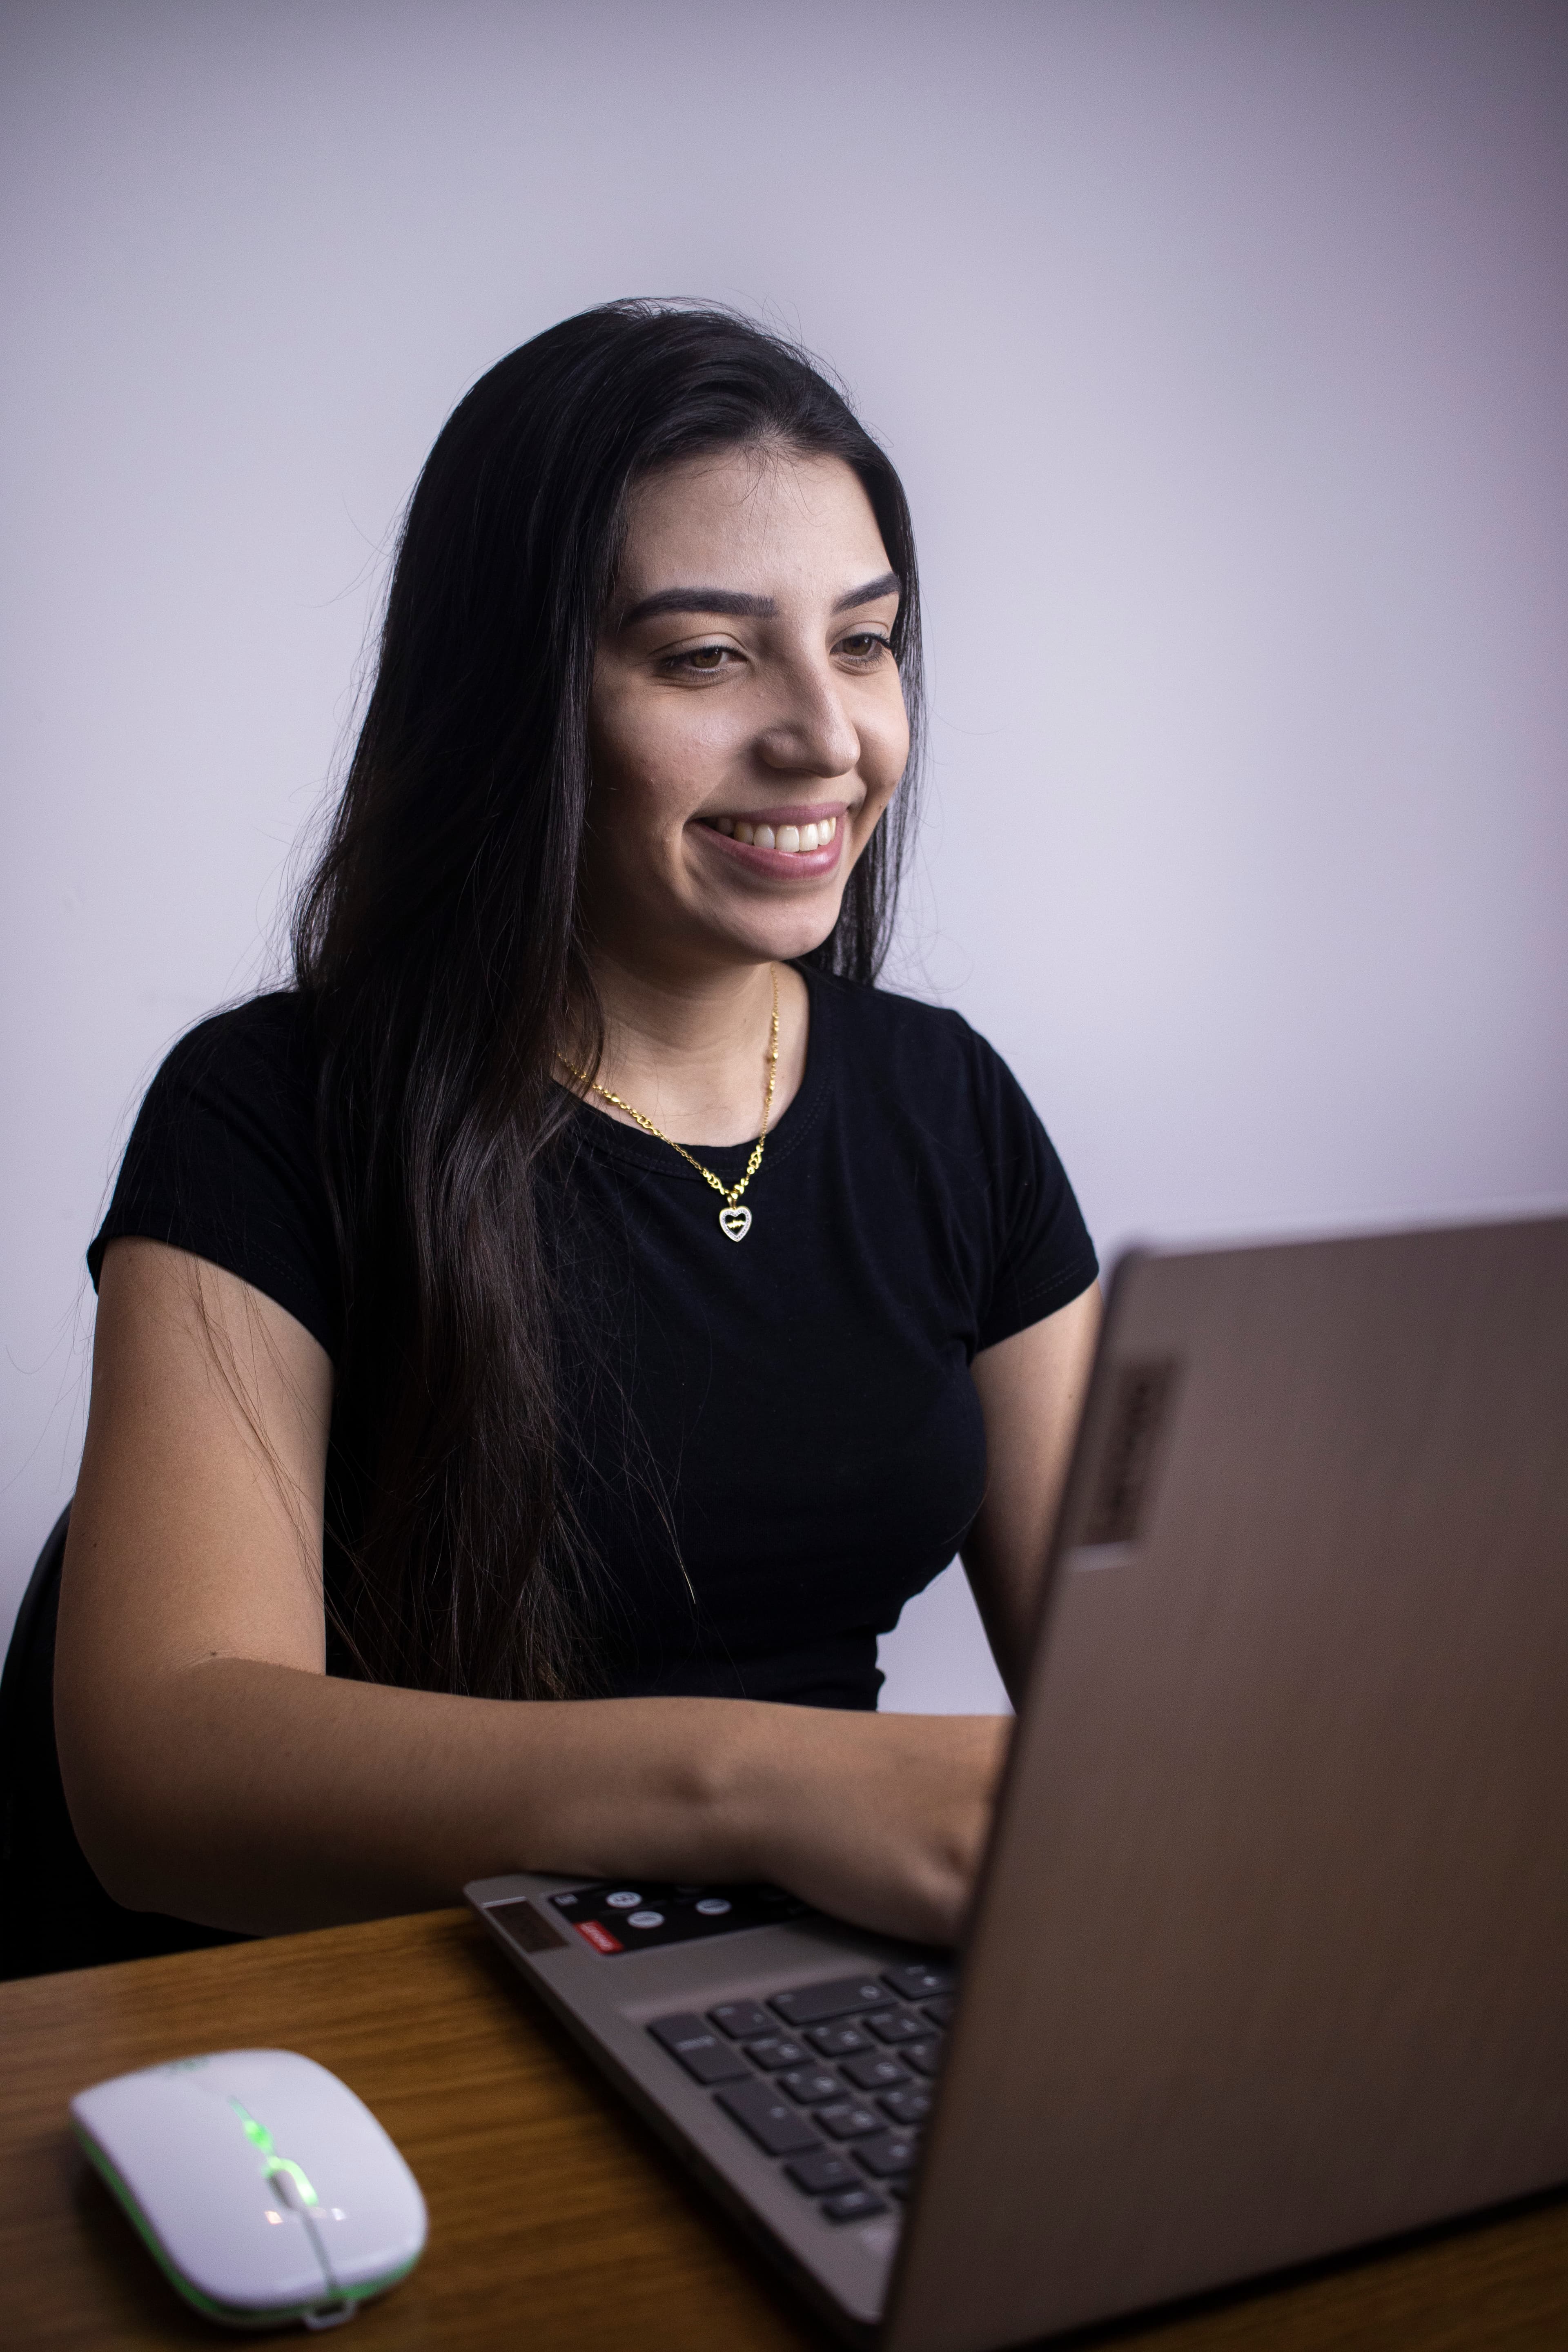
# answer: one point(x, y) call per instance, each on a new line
point(701, 661)
point(864, 645)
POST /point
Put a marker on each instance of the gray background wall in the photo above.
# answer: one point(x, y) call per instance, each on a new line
point(1223, 350)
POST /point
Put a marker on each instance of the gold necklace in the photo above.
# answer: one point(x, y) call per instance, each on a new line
point(735, 1220)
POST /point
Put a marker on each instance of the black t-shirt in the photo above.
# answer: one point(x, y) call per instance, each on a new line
point(776, 1439)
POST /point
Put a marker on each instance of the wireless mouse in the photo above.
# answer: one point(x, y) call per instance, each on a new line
point(263, 2189)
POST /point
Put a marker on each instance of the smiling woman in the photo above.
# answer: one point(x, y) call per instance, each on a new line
point(467, 1488)
point(699, 880)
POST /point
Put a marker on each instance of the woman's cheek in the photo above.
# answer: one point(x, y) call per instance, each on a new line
point(892, 738)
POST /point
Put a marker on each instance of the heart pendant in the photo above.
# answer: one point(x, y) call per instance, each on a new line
point(735, 1221)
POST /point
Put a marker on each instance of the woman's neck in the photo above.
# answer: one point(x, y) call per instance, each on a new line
point(690, 1053)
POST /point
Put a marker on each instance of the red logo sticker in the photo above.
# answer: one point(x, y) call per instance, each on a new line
point(600, 1937)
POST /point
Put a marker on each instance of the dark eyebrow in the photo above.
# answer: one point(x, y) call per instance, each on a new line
point(729, 601)
point(888, 583)
point(735, 605)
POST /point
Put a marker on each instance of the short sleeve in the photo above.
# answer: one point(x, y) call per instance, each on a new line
point(1044, 1256)
point(222, 1162)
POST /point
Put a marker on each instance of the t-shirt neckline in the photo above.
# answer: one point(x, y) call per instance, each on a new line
point(597, 1131)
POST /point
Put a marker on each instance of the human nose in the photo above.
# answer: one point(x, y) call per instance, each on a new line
point(809, 731)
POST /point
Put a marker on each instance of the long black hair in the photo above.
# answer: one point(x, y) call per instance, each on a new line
point(438, 945)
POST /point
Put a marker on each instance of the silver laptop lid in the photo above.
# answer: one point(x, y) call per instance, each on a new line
point(1271, 1956)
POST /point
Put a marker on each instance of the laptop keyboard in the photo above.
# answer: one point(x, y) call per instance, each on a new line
point(833, 2080)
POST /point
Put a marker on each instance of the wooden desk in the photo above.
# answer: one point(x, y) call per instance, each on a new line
point(555, 2220)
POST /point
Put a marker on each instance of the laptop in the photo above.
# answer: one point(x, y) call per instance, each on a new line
point(1269, 1955)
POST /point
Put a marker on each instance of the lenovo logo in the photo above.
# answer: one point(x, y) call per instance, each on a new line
point(1141, 1402)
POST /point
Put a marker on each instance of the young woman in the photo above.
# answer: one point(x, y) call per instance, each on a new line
point(537, 1354)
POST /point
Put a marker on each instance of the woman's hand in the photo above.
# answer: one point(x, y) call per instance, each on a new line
point(880, 1818)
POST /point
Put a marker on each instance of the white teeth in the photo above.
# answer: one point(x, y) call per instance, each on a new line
point(789, 838)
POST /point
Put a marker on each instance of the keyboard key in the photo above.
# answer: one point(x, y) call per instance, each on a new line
point(853, 2205)
point(911, 2106)
point(776, 2127)
point(810, 2084)
point(925, 2057)
point(741, 2020)
point(940, 2011)
point(892, 2154)
point(777, 2051)
point(814, 2004)
point(839, 2041)
point(922, 1981)
point(699, 2049)
point(877, 2072)
point(817, 2174)
point(849, 2120)
point(896, 2025)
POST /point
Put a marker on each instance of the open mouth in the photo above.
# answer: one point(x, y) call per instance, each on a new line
point(795, 837)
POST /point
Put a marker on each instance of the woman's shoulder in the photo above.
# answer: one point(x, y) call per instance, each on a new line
point(222, 1161)
point(932, 1094)
point(869, 1007)
point(903, 1040)
point(264, 1041)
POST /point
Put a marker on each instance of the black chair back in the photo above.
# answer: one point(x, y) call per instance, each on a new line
point(54, 1913)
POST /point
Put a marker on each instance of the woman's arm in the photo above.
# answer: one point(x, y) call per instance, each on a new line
point(215, 1771)
point(1032, 1389)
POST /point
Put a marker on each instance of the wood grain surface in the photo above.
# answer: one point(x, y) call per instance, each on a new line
point(556, 2219)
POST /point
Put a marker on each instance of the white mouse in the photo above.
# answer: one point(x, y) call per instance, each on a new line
point(264, 2188)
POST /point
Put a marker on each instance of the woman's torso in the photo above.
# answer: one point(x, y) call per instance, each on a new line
point(771, 1443)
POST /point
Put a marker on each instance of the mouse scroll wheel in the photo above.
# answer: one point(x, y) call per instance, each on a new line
point(283, 2188)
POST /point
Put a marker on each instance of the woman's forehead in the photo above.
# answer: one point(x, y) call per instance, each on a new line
point(748, 518)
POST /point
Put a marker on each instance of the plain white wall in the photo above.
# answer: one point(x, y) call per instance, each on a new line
point(1223, 351)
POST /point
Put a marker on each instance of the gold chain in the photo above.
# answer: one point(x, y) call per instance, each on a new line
point(733, 1221)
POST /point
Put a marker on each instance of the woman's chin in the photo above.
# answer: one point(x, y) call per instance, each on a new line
point(788, 936)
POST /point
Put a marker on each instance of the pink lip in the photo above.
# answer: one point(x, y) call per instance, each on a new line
point(781, 865)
